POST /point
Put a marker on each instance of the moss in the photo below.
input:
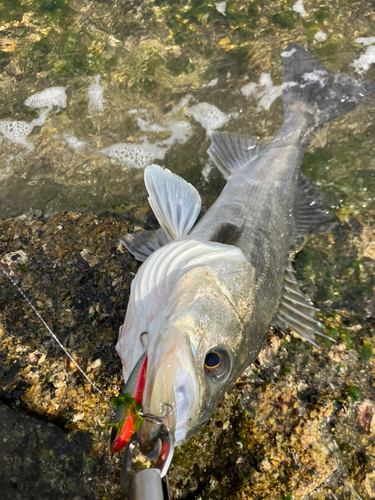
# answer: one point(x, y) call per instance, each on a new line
point(178, 65)
point(367, 352)
point(285, 20)
point(354, 393)
point(288, 496)
point(322, 13)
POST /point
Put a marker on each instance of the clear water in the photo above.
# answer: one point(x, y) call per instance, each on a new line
point(134, 74)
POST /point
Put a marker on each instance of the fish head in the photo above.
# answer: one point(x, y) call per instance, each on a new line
point(197, 347)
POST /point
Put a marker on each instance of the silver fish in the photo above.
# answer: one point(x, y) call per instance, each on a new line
point(203, 301)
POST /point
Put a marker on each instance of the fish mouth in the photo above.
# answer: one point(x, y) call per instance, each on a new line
point(171, 380)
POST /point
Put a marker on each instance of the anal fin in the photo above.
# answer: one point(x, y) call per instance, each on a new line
point(310, 209)
point(295, 311)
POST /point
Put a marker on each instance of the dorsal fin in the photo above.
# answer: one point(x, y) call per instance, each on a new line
point(226, 233)
point(175, 203)
point(142, 243)
point(295, 311)
point(310, 208)
point(231, 151)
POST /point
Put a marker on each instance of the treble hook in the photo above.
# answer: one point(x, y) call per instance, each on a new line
point(155, 419)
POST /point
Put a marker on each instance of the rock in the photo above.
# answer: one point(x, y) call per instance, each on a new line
point(366, 416)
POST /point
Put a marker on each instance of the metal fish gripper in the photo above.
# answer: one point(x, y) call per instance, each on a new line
point(148, 484)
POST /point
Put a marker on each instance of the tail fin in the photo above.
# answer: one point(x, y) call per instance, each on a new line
point(326, 94)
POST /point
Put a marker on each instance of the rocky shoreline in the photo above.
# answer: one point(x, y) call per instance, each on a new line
point(300, 422)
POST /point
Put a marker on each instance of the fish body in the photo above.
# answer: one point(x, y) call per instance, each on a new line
point(203, 301)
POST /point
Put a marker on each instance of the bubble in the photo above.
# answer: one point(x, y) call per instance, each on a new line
point(208, 115)
point(140, 155)
point(73, 142)
point(17, 132)
point(320, 36)
point(265, 90)
point(299, 8)
point(95, 97)
point(53, 96)
point(363, 63)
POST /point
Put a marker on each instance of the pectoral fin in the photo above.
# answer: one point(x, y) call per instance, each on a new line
point(295, 311)
point(175, 203)
point(226, 233)
point(142, 243)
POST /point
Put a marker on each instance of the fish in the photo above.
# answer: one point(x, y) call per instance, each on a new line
point(203, 300)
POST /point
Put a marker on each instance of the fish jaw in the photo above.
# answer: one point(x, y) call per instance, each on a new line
point(173, 381)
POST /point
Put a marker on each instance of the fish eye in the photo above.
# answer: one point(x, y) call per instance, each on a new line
point(217, 364)
point(212, 361)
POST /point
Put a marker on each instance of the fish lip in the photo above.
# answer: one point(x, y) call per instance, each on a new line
point(174, 382)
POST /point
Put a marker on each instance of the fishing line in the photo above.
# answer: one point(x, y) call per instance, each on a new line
point(54, 336)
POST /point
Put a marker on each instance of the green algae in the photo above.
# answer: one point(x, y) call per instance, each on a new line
point(367, 351)
point(355, 394)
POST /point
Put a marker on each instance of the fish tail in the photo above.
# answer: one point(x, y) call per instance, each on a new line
point(310, 87)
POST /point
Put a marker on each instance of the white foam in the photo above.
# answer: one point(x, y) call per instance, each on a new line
point(136, 111)
point(17, 132)
point(206, 170)
point(54, 96)
point(317, 76)
point(73, 142)
point(135, 155)
point(208, 115)
point(320, 36)
point(183, 102)
point(299, 8)
point(220, 7)
point(363, 63)
point(249, 89)
point(365, 41)
point(288, 53)
point(212, 83)
point(146, 126)
point(181, 131)
point(265, 91)
point(95, 97)
point(140, 155)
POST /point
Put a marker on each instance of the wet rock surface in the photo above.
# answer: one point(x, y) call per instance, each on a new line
point(299, 423)
point(40, 460)
point(78, 277)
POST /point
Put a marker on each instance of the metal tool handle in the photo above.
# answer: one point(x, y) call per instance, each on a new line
point(147, 485)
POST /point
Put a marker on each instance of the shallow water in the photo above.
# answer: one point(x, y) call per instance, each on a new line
point(118, 85)
point(145, 81)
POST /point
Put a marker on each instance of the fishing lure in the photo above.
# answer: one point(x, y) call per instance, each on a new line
point(128, 416)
